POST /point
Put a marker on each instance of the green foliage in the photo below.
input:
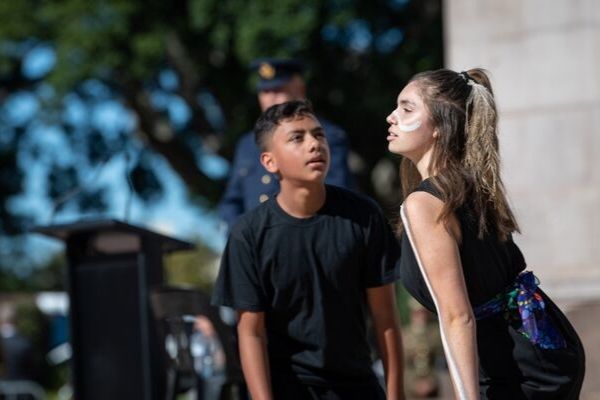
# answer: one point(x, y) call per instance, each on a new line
point(95, 39)
point(17, 23)
point(197, 267)
point(278, 31)
point(31, 323)
point(48, 276)
point(402, 302)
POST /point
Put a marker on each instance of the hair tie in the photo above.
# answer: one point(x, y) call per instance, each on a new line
point(466, 77)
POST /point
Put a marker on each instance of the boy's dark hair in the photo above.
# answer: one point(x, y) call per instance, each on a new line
point(268, 121)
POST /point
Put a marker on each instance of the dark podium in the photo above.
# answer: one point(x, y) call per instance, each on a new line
point(112, 267)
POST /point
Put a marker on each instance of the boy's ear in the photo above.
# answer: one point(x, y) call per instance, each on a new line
point(269, 162)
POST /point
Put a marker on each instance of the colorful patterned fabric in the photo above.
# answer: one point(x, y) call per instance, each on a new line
point(522, 305)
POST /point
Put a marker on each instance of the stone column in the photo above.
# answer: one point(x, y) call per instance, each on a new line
point(544, 59)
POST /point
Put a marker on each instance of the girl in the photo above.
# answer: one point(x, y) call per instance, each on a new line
point(502, 336)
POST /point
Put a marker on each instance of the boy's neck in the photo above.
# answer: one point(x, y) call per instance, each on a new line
point(301, 201)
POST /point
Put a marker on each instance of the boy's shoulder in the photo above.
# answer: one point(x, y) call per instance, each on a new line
point(249, 221)
point(346, 197)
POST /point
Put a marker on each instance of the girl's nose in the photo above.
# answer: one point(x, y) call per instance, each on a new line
point(390, 118)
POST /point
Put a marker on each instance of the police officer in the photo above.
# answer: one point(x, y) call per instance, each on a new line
point(279, 80)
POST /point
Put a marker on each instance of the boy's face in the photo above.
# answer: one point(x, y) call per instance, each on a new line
point(297, 150)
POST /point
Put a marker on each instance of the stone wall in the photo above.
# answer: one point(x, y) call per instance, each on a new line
point(544, 59)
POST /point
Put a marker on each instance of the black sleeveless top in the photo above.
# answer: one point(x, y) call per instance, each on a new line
point(510, 365)
point(489, 265)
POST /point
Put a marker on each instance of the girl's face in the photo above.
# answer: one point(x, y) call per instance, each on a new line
point(411, 132)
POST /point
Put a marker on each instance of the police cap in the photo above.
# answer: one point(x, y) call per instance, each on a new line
point(275, 72)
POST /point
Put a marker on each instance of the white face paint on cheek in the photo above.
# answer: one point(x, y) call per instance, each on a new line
point(409, 128)
point(406, 127)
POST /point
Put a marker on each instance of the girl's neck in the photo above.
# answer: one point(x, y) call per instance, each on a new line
point(422, 164)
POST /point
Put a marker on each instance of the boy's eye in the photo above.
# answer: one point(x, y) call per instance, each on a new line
point(296, 138)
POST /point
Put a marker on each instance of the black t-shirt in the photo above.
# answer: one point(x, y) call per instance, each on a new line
point(310, 276)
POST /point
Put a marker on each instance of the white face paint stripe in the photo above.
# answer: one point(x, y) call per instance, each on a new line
point(460, 387)
point(409, 128)
point(405, 128)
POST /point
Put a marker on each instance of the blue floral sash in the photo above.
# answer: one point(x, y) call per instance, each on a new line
point(522, 305)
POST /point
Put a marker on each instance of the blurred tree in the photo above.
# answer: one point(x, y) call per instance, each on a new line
point(175, 74)
point(49, 275)
point(197, 268)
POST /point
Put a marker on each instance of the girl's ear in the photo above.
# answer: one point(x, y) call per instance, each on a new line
point(436, 133)
point(267, 159)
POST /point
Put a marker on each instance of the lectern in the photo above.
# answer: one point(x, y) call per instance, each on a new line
point(112, 267)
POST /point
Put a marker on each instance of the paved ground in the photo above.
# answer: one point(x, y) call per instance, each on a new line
point(586, 319)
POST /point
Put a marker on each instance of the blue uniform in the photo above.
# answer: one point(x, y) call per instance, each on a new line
point(250, 184)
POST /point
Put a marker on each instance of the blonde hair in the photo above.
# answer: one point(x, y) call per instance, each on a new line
point(465, 165)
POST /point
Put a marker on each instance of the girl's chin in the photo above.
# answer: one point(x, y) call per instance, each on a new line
point(393, 148)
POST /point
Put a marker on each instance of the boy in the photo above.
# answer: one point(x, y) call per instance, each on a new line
point(302, 269)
